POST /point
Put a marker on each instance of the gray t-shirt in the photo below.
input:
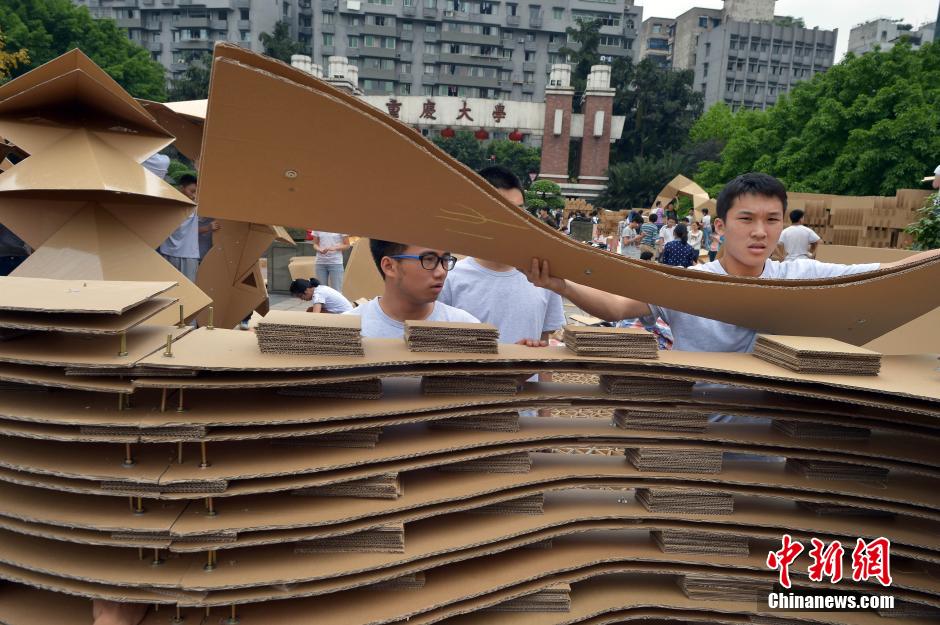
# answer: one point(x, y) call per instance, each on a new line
point(692, 333)
point(376, 324)
point(333, 301)
point(329, 239)
point(506, 299)
point(184, 241)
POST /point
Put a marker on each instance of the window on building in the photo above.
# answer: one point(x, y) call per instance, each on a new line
point(328, 39)
point(404, 88)
point(512, 9)
point(489, 8)
point(427, 90)
point(656, 29)
point(430, 4)
point(245, 36)
point(529, 56)
point(505, 53)
point(244, 14)
point(430, 48)
point(628, 44)
point(404, 68)
point(430, 28)
point(703, 21)
point(352, 41)
point(378, 20)
point(704, 69)
point(428, 69)
point(353, 20)
point(407, 3)
point(328, 18)
point(407, 27)
point(530, 37)
point(405, 45)
point(528, 77)
point(708, 48)
point(558, 13)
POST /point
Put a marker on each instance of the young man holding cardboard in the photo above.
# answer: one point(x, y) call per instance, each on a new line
point(414, 277)
point(751, 210)
point(500, 294)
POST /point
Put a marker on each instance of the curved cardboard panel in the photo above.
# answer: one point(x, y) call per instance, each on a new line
point(307, 170)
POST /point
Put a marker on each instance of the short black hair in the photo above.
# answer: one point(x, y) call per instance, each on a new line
point(705, 211)
point(659, 203)
point(747, 184)
point(647, 255)
point(300, 286)
point(636, 218)
point(186, 179)
point(671, 215)
point(380, 249)
point(796, 215)
point(652, 218)
point(681, 232)
point(500, 177)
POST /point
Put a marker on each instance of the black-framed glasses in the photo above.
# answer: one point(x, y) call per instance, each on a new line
point(430, 260)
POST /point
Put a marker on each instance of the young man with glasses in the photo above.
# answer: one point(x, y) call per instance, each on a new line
point(414, 277)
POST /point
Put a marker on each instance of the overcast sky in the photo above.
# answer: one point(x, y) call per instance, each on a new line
point(825, 14)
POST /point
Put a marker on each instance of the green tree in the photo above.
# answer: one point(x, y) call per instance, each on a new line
point(10, 60)
point(49, 28)
point(464, 147)
point(789, 20)
point(587, 37)
point(193, 83)
point(520, 159)
point(926, 230)
point(868, 126)
point(544, 194)
point(660, 106)
point(279, 44)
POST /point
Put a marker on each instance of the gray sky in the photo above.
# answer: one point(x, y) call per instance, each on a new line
point(823, 13)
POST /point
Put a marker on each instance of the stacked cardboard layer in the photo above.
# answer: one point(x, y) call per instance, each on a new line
point(556, 598)
point(685, 501)
point(451, 336)
point(816, 355)
point(681, 541)
point(644, 388)
point(354, 389)
point(314, 334)
point(719, 588)
point(661, 421)
point(674, 460)
point(615, 342)
point(827, 470)
point(461, 384)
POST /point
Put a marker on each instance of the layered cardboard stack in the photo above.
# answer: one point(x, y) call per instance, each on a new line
point(615, 342)
point(674, 460)
point(313, 334)
point(463, 384)
point(817, 355)
point(646, 387)
point(451, 336)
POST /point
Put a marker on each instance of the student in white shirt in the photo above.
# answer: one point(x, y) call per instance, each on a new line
point(322, 298)
point(414, 278)
point(797, 241)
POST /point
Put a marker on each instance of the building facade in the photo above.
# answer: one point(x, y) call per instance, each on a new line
point(656, 40)
point(463, 48)
point(748, 65)
point(460, 48)
point(176, 31)
point(883, 34)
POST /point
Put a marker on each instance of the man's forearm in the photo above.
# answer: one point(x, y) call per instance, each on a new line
point(912, 259)
point(603, 305)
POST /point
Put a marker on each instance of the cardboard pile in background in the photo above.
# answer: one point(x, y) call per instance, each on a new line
point(556, 598)
point(384, 486)
point(354, 389)
point(816, 355)
point(464, 384)
point(498, 422)
point(722, 588)
point(314, 334)
point(520, 462)
point(451, 336)
point(385, 539)
point(685, 501)
point(827, 470)
point(664, 421)
point(685, 541)
point(805, 429)
point(615, 342)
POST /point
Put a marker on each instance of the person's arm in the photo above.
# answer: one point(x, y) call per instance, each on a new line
point(812, 249)
point(315, 308)
point(780, 252)
point(342, 246)
point(316, 244)
point(606, 306)
point(114, 613)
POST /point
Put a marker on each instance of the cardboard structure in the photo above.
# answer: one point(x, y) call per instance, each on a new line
point(362, 279)
point(457, 210)
point(186, 469)
point(295, 508)
point(81, 199)
point(680, 185)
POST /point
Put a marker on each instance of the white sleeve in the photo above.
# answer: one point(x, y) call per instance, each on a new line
point(813, 237)
point(937, 171)
point(807, 269)
point(554, 313)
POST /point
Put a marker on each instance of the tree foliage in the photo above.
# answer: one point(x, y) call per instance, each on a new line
point(280, 44)
point(660, 107)
point(926, 230)
point(544, 194)
point(868, 126)
point(10, 60)
point(464, 147)
point(193, 83)
point(517, 157)
point(49, 28)
point(587, 35)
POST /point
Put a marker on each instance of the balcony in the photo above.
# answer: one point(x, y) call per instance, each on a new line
point(407, 57)
point(407, 35)
point(330, 50)
point(459, 37)
point(305, 30)
point(147, 3)
point(244, 24)
point(191, 22)
point(403, 77)
point(385, 53)
point(218, 25)
point(535, 21)
point(528, 66)
point(429, 79)
point(384, 31)
point(429, 13)
point(432, 37)
point(530, 46)
point(512, 20)
point(409, 11)
point(154, 46)
point(154, 24)
point(528, 87)
point(241, 4)
point(377, 74)
point(328, 28)
point(130, 22)
point(430, 58)
point(194, 44)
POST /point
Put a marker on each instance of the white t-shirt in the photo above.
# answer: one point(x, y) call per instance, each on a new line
point(695, 239)
point(796, 240)
point(184, 241)
point(506, 299)
point(692, 333)
point(706, 221)
point(333, 301)
point(376, 324)
point(666, 234)
point(329, 239)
